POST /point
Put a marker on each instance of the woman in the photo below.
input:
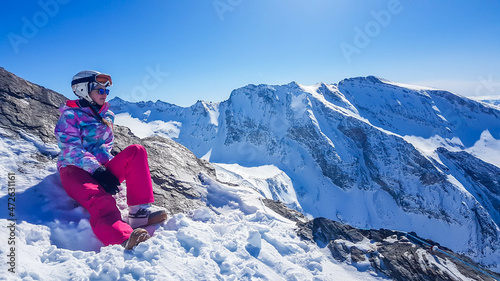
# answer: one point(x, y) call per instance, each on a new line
point(91, 175)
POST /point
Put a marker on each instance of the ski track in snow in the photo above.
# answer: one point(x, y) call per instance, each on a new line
point(234, 238)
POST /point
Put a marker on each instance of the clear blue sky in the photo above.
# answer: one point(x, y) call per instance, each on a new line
point(201, 50)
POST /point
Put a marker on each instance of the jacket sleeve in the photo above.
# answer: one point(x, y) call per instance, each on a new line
point(70, 142)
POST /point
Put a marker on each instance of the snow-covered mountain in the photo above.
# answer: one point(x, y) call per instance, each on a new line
point(221, 225)
point(365, 151)
point(494, 100)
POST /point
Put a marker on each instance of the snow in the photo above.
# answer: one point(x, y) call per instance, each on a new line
point(143, 129)
point(213, 112)
point(299, 104)
point(487, 148)
point(269, 180)
point(429, 146)
point(408, 86)
point(235, 237)
point(442, 265)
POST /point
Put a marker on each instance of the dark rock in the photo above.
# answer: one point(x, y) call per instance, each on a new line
point(284, 211)
point(357, 255)
point(339, 251)
point(398, 255)
point(28, 107)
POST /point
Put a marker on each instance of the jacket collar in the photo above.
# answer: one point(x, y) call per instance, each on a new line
point(83, 103)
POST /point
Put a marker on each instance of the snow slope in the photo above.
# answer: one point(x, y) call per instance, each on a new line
point(234, 238)
point(271, 182)
point(364, 151)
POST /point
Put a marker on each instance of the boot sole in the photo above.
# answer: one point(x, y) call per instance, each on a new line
point(137, 236)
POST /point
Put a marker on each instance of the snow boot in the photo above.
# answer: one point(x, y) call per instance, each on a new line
point(145, 214)
point(137, 236)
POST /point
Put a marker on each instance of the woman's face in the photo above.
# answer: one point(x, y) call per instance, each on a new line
point(96, 97)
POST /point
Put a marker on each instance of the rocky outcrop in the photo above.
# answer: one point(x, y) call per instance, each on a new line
point(27, 107)
point(174, 170)
point(398, 255)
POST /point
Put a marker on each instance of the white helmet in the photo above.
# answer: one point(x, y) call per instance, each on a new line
point(85, 81)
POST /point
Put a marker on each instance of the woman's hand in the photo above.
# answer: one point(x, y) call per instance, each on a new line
point(107, 180)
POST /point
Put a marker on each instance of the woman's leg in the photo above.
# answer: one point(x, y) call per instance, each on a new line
point(131, 165)
point(105, 218)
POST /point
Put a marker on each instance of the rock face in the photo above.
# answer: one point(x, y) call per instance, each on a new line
point(26, 107)
point(398, 255)
point(365, 151)
point(174, 171)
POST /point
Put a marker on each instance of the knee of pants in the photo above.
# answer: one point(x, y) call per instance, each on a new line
point(138, 148)
point(103, 205)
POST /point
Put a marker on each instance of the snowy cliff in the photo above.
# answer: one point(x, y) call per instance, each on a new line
point(365, 151)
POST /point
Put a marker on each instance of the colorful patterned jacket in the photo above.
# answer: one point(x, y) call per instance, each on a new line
point(84, 141)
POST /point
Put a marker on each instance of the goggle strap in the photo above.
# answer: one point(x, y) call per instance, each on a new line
point(82, 80)
point(88, 79)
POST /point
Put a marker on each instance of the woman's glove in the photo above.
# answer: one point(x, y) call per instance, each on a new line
point(107, 180)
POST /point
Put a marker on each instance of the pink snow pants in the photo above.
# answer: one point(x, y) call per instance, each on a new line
point(131, 165)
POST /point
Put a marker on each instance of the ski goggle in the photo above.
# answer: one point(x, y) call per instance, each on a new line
point(101, 79)
point(104, 80)
point(102, 91)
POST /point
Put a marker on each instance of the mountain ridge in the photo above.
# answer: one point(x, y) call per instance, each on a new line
point(361, 142)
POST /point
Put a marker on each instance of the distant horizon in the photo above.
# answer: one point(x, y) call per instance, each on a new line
point(181, 52)
point(73, 97)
